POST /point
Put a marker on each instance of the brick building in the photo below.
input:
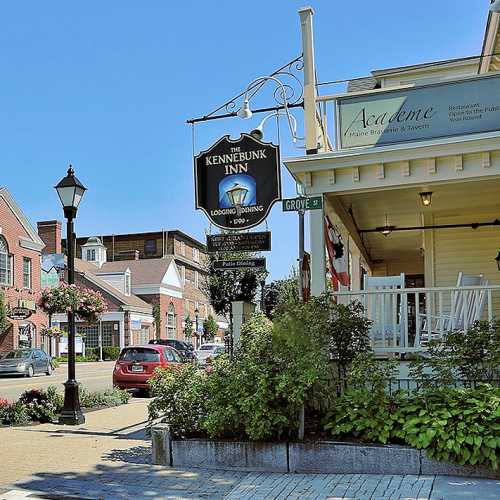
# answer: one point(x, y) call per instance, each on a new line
point(189, 256)
point(20, 251)
point(128, 319)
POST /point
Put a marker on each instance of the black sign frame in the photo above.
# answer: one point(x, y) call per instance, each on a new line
point(253, 166)
point(239, 242)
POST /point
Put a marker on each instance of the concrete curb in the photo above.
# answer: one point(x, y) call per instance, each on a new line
point(322, 457)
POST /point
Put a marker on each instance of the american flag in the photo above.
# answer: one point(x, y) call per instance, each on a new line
point(337, 256)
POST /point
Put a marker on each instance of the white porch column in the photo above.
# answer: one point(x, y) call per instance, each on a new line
point(318, 257)
point(310, 125)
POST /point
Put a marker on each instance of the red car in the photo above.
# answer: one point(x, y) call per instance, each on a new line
point(136, 365)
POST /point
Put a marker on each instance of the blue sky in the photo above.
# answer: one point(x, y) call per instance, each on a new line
point(108, 85)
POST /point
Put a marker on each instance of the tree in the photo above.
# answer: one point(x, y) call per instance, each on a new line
point(280, 292)
point(188, 327)
point(224, 287)
point(210, 328)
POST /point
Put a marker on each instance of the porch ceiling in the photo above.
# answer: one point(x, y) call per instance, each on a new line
point(403, 208)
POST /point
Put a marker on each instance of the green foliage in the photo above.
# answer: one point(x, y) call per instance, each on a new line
point(92, 353)
point(13, 413)
point(179, 399)
point(41, 406)
point(210, 328)
point(348, 329)
point(103, 399)
point(367, 372)
point(280, 292)
point(110, 353)
point(188, 327)
point(224, 287)
point(257, 395)
point(474, 355)
point(4, 322)
point(455, 425)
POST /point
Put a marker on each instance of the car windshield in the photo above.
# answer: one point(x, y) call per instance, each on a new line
point(220, 350)
point(17, 355)
point(140, 354)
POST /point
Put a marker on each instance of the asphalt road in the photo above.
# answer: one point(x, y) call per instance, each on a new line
point(92, 376)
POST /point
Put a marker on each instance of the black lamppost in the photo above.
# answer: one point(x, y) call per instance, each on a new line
point(197, 318)
point(70, 191)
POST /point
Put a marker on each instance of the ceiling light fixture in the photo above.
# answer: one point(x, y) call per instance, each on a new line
point(426, 198)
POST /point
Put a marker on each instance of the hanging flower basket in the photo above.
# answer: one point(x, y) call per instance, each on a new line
point(87, 304)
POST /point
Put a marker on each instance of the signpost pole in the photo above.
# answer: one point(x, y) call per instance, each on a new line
point(301, 254)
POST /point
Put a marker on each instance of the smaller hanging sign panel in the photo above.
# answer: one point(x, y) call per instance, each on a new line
point(221, 265)
point(239, 242)
point(237, 181)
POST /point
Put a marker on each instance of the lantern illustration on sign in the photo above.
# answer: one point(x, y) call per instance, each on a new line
point(237, 195)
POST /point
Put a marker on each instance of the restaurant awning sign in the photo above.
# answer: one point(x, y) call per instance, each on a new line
point(424, 112)
point(237, 181)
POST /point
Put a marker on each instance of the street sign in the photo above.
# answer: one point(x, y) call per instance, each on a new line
point(296, 204)
point(238, 181)
point(239, 242)
point(222, 265)
point(19, 313)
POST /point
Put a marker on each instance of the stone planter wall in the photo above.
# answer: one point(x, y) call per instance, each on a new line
point(324, 457)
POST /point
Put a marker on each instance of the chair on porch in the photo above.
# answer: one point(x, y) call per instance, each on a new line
point(385, 310)
point(466, 307)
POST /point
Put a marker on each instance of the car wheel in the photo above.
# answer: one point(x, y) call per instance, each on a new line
point(49, 370)
point(31, 372)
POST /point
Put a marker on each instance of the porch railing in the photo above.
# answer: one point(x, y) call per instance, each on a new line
point(404, 320)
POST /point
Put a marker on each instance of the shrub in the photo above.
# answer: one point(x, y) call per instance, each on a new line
point(180, 399)
point(92, 353)
point(474, 356)
point(100, 399)
point(457, 425)
point(13, 413)
point(40, 405)
point(110, 353)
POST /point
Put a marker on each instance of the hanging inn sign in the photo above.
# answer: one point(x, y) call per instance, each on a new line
point(238, 181)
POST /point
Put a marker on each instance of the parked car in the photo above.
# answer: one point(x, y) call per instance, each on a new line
point(136, 365)
point(208, 352)
point(26, 362)
point(185, 349)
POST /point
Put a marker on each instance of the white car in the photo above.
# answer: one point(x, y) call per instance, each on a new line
point(207, 351)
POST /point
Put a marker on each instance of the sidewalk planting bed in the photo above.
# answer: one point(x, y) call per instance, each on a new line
point(40, 406)
point(315, 360)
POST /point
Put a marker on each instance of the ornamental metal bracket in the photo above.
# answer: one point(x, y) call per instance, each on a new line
point(289, 94)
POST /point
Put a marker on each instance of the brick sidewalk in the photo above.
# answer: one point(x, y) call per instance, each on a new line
point(109, 457)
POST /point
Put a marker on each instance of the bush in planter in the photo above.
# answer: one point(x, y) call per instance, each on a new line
point(110, 353)
point(458, 425)
point(455, 425)
point(474, 356)
point(180, 397)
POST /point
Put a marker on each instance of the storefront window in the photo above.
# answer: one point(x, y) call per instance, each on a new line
point(27, 333)
point(6, 263)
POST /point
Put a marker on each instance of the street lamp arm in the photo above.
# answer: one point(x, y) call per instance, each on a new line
point(281, 113)
point(263, 80)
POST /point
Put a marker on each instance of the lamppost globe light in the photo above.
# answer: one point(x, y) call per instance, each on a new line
point(495, 6)
point(70, 191)
point(258, 132)
point(245, 112)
